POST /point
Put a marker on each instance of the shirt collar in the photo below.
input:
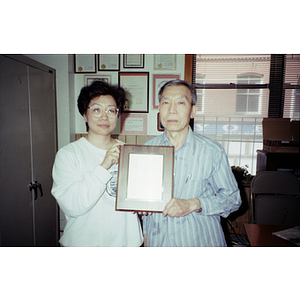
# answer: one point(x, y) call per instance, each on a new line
point(190, 139)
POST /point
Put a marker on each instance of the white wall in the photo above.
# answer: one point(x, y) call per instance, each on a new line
point(68, 86)
point(149, 67)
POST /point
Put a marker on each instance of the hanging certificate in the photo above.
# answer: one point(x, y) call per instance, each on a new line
point(136, 86)
point(85, 63)
point(165, 61)
point(145, 178)
point(158, 81)
point(108, 62)
point(133, 61)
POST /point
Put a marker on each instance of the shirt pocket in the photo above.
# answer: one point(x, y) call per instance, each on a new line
point(193, 188)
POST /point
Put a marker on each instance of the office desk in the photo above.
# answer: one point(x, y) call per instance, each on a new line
point(261, 236)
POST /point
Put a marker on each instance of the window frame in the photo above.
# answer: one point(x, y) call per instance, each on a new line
point(276, 91)
point(249, 77)
point(276, 86)
point(200, 106)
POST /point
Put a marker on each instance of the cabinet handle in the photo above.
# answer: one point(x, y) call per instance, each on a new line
point(35, 186)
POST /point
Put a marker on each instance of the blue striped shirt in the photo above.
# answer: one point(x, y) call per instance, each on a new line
point(201, 170)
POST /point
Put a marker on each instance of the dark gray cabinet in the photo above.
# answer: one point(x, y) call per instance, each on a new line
point(28, 143)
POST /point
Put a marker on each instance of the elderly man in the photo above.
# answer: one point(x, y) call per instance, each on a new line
point(204, 186)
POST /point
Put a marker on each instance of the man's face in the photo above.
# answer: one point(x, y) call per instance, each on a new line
point(176, 108)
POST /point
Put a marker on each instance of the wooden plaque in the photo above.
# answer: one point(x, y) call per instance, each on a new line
point(145, 178)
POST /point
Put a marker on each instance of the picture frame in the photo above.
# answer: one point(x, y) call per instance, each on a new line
point(133, 61)
point(164, 61)
point(85, 63)
point(136, 86)
point(145, 178)
point(133, 124)
point(158, 81)
point(88, 79)
point(159, 125)
point(108, 62)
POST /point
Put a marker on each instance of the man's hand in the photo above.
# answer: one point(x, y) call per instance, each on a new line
point(181, 207)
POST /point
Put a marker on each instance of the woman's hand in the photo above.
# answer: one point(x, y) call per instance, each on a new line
point(144, 213)
point(112, 156)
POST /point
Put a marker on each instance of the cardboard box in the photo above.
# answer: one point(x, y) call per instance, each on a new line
point(280, 135)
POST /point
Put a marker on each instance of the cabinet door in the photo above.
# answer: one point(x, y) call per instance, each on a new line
point(43, 128)
point(16, 213)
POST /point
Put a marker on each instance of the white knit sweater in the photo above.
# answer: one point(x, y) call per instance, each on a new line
point(86, 193)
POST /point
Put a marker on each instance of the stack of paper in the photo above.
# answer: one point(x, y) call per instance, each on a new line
point(292, 235)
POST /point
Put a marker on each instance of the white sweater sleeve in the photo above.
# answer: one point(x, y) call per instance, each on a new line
point(77, 192)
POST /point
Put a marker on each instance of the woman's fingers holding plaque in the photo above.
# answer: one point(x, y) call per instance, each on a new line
point(112, 156)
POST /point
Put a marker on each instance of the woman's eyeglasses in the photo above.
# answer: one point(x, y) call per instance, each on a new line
point(97, 111)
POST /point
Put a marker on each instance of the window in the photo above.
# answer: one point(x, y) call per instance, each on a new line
point(248, 100)
point(295, 105)
point(200, 95)
point(234, 100)
point(291, 108)
point(237, 92)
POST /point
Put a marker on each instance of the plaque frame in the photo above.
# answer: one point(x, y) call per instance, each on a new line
point(124, 201)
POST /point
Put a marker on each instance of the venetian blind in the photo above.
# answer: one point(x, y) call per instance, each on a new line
point(233, 98)
point(291, 107)
point(232, 85)
point(235, 93)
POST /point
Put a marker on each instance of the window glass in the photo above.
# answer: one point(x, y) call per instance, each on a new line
point(233, 116)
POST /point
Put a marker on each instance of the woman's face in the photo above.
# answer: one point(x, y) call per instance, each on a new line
point(106, 122)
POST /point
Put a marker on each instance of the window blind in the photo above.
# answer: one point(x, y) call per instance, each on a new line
point(232, 85)
point(235, 93)
point(291, 107)
point(276, 99)
point(233, 97)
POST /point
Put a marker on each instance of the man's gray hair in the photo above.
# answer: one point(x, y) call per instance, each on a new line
point(180, 82)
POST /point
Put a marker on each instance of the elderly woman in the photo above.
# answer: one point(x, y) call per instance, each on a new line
point(85, 176)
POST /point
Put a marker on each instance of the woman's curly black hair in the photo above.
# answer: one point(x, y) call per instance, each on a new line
point(100, 88)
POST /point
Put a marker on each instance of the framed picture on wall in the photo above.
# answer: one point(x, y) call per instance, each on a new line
point(165, 61)
point(108, 62)
point(88, 79)
point(133, 61)
point(85, 63)
point(133, 124)
point(136, 86)
point(158, 81)
point(159, 125)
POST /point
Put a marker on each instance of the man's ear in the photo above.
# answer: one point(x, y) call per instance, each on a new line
point(193, 111)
